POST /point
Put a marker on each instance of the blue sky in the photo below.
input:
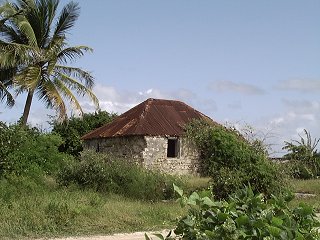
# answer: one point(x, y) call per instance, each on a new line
point(242, 62)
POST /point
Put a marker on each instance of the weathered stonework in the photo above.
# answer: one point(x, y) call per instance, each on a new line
point(150, 152)
point(130, 147)
point(155, 156)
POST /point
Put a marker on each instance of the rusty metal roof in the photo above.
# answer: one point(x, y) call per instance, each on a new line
point(153, 117)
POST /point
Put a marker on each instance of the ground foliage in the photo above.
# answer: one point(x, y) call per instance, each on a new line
point(74, 128)
point(232, 161)
point(244, 215)
point(33, 209)
point(107, 174)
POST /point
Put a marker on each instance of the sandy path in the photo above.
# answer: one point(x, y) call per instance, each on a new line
point(121, 236)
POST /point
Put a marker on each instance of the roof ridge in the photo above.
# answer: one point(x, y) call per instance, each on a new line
point(146, 106)
point(153, 117)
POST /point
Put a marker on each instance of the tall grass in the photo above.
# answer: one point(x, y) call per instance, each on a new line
point(106, 174)
point(311, 186)
point(29, 209)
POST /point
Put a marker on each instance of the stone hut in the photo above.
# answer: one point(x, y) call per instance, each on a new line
point(150, 134)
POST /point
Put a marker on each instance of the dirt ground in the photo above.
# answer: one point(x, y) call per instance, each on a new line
point(122, 236)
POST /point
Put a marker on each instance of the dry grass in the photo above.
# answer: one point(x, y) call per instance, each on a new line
point(29, 210)
point(307, 186)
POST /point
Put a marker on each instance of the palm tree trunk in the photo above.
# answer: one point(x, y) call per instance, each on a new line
point(27, 106)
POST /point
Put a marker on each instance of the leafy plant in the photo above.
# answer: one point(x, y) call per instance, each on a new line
point(74, 128)
point(244, 215)
point(232, 161)
point(305, 160)
point(26, 150)
point(104, 173)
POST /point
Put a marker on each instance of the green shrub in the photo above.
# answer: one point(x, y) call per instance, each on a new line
point(304, 157)
point(296, 169)
point(26, 151)
point(244, 216)
point(74, 128)
point(103, 173)
point(232, 162)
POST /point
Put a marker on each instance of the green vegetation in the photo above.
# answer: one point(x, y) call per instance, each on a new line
point(36, 209)
point(244, 216)
point(304, 158)
point(44, 192)
point(72, 130)
point(106, 174)
point(310, 186)
point(233, 162)
point(50, 187)
point(34, 54)
point(27, 151)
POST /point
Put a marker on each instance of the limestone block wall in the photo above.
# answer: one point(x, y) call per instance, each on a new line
point(130, 147)
point(150, 152)
point(155, 156)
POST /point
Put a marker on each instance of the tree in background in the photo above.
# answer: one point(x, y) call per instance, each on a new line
point(34, 54)
point(72, 130)
point(305, 159)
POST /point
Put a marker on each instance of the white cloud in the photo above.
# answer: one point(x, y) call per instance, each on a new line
point(297, 115)
point(300, 85)
point(302, 106)
point(230, 86)
point(119, 101)
point(277, 120)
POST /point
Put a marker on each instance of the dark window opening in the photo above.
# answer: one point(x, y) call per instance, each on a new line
point(173, 148)
point(98, 148)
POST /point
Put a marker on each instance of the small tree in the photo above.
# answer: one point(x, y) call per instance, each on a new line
point(72, 130)
point(303, 152)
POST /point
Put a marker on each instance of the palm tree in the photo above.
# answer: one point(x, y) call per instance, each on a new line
point(306, 148)
point(7, 13)
point(34, 54)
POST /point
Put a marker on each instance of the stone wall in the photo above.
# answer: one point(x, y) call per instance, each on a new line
point(130, 147)
point(150, 152)
point(155, 156)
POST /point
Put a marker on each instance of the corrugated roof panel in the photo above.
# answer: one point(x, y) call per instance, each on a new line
point(153, 117)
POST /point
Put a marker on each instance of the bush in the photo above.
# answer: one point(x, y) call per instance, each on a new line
point(103, 173)
point(303, 156)
point(296, 169)
point(26, 151)
point(232, 162)
point(72, 130)
point(244, 216)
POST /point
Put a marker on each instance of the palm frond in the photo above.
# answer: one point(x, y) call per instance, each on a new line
point(67, 19)
point(5, 95)
point(28, 31)
point(71, 53)
point(74, 72)
point(7, 12)
point(14, 54)
point(12, 34)
point(65, 91)
point(29, 78)
point(48, 93)
point(80, 89)
point(50, 8)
